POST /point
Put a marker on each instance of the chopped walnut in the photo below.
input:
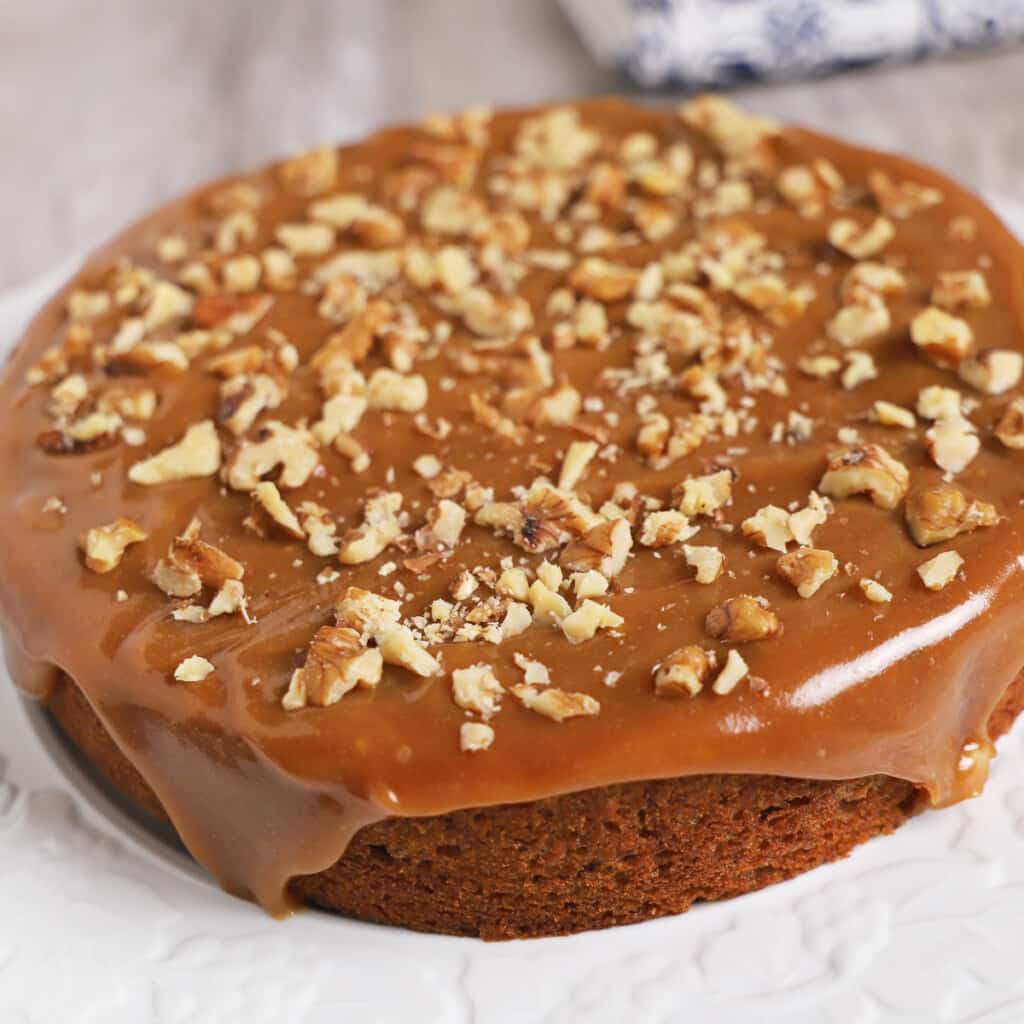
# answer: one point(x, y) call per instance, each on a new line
point(549, 607)
point(993, 370)
point(196, 454)
point(398, 646)
point(585, 621)
point(709, 562)
point(270, 508)
point(193, 669)
point(866, 283)
point(946, 340)
point(901, 199)
point(684, 671)
point(769, 527)
point(660, 529)
point(860, 368)
point(400, 392)
point(305, 239)
point(604, 281)
point(875, 592)
point(336, 663)
point(276, 446)
point(477, 689)
point(556, 704)
point(604, 548)
point(475, 736)
point(546, 519)
point(809, 187)
point(743, 619)
point(859, 241)
point(938, 513)
point(804, 521)
point(936, 403)
point(891, 415)
point(1010, 429)
point(380, 528)
point(807, 569)
point(734, 671)
point(212, 566)
point(104, 546)
point(369, 614)
point(856, 324)
point(310, 173)
point(704, 495)
point(952, 443)
point(577, 458)
point(958, 288)
point(940, 571)
point(865, 469)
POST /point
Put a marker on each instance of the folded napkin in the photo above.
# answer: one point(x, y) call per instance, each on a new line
point(721, 42)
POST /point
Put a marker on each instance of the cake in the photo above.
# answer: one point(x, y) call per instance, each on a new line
point(529, 521)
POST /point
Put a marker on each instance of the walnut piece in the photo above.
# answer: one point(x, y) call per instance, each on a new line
point(196, 454)
point(743, 619)
point(276, 446)
point(585, 621)
point(860, 241)
point(945, 339)
point(768, 527)
point(684, 671)
point(938, 513)
point(604, 549)
point(104, 546)
point(380, 528)
point(270, 508)
point(556, 704)
point(992, 371)
point(952, 443)
point(1010, 428)
point(708, 561)
point(477, 689)
point(193, 669)
point(807, 569)
point(475, 736)
point(865, 469)
point(336, 663)
point(941, 570)
point(734, 671)
point(874, 591)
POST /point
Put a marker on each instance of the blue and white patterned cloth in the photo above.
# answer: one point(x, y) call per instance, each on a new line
point(664, 43)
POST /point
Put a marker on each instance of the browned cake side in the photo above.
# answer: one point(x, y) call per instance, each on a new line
point(606, 856)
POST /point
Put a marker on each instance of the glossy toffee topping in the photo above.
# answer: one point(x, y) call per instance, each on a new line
point(521, 453)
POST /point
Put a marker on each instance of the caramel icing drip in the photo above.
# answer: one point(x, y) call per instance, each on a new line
point(682, 358)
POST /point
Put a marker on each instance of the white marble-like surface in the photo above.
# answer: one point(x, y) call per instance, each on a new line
point(108, 106)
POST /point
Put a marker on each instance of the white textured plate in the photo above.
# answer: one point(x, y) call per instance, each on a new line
point(102, 920)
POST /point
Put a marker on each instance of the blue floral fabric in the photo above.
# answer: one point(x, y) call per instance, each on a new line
point(720, 42)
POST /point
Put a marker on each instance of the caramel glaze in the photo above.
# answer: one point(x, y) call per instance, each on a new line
point(260, 794)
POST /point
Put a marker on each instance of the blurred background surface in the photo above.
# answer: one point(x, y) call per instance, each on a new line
point(108, 106)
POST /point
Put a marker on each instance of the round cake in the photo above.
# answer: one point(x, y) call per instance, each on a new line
point(529, 521)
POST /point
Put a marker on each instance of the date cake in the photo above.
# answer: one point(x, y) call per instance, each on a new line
point(529, 521)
